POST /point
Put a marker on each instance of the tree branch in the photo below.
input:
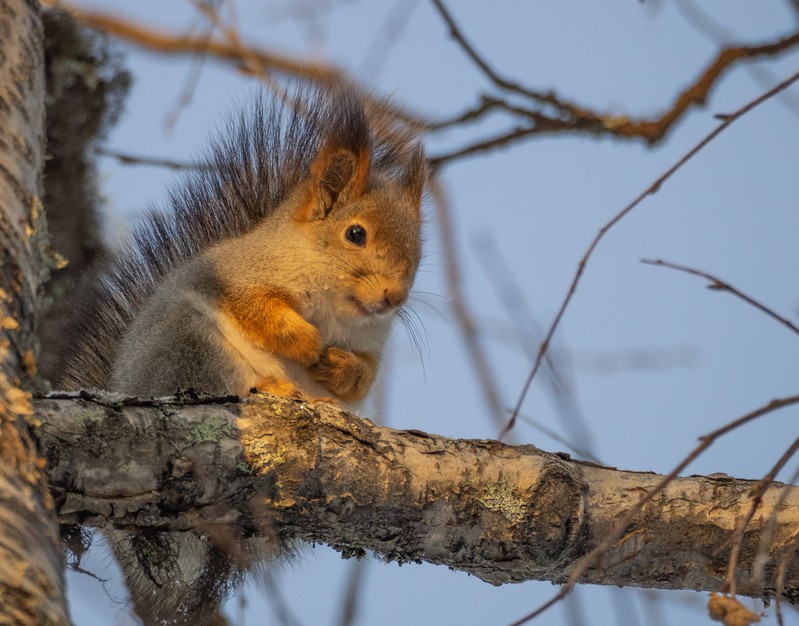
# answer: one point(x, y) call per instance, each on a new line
point(720, 285)
point(312, 472)
point(574, 118)
point(151, 39)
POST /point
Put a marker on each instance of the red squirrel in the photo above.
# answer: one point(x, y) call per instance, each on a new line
point(279, 266)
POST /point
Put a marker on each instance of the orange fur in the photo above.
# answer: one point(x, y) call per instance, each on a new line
point(306, 206)
point(269, 320)
point(348, 375)
point(361, 175)
point(282, 388)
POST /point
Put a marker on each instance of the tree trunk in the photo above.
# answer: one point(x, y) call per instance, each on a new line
point(502, 513)
point(31, 569)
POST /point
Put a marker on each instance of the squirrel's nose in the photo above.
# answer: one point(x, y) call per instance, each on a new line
point(395, 296)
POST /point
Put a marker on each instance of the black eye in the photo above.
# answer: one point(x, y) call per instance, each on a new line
point(356, 234)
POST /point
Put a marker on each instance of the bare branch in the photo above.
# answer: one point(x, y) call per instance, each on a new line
point(720, 285)
point(727, 120)
point(571, 117)
point(494, 76)
point(151, 39)
point(557, 380)
point(697, 93)
point(583, 453)
point(387, 36)
point(127, 158)
point(513, 135)
point(568, 117)
point(715, 31)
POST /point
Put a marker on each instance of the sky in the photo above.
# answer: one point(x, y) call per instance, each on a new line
point(652, 357)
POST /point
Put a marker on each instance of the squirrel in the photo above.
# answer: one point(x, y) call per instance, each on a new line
point(277, 266)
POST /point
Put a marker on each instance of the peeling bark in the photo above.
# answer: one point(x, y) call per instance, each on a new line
point(31, 569)
point(311, 472)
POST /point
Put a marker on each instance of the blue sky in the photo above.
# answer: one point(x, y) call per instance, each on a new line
point(654, 359)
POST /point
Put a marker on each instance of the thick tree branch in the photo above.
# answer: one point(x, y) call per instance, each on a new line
point(503, 513)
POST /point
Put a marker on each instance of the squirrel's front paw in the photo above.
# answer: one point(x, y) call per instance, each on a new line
point(306, 347)
point(346, 374)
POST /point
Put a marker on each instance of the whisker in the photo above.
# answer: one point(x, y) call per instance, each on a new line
point(415, 297)
point(416, 332)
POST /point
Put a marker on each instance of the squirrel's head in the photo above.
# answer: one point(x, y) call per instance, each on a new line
point(364, 220)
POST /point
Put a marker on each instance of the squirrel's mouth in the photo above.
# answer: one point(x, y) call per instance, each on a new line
point(366, 310)
point(360, 307)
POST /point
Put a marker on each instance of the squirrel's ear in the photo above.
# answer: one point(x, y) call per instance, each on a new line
point(340, 171)
point(339, 176)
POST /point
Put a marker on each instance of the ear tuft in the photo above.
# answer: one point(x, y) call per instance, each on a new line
point(414, 175)
point(340, 170)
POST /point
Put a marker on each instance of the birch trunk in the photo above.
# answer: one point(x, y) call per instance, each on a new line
point(31, 568)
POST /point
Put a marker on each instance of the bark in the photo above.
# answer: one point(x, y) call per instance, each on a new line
point(31, 571)
point(311, 472)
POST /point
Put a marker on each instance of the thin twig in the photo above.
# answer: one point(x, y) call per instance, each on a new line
point(792, 548)
point(487, 104)
point(277, 601)
point(459, 308)
point(387, 36)
point(128, 158)
point(500, 81)
point(720, 285)
point(756, 494)
point(727, 120)
point(564, 590)
point(570, 117)
point(148, 37)
point(697, 93)
point(498, 141)
point(243, 56)
point(584, 453)
point(705, 442)
point(528, 334)
point(230, 31)
point(352, 593)
point(762, 556)
point(190, 84)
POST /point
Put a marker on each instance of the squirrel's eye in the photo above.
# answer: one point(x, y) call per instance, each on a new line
point(356, 234)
